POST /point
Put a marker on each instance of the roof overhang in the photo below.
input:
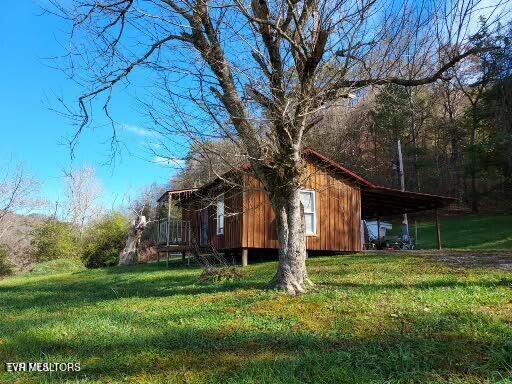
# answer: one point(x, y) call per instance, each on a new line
point(176, 194)
point(379, 201)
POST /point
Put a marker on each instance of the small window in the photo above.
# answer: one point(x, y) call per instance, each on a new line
point(220, 215)
point(307, 199)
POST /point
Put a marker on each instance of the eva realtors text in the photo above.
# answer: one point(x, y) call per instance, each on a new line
point(42, 367)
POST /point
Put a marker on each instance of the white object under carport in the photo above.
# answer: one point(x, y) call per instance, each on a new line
point(385, 227)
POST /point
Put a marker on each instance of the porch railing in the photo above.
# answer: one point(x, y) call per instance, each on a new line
point(173, 232)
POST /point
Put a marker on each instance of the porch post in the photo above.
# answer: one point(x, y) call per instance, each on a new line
point(245, 257)
point(169, 200)
point(158, 227)
point(438, 230)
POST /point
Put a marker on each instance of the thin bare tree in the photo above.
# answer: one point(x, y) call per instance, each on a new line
point(19, 199)
point(258, 72)
point(18, 195)
point(82, 197)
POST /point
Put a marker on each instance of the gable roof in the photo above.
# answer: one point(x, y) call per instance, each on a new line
point(376, 200)
point(306, 152)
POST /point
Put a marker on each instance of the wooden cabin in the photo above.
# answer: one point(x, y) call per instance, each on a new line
point(233, 213)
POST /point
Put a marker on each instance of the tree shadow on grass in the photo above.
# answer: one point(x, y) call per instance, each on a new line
point(153, 266)
point(82, 288)
point(217, 354)
point(204, 342)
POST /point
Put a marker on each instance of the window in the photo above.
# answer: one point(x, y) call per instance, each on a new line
point(220, 215)
point(307, 198)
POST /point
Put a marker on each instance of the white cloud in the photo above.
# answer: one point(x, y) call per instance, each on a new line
point(139, 131)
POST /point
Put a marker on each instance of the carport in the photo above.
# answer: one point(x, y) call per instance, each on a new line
point(378, 202)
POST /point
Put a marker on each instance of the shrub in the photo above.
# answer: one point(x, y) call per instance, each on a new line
point(218, 275)
point(55, 240)
point(5, 266)
point(104, 240)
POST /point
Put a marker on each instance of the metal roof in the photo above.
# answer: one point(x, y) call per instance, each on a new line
point(376, 200)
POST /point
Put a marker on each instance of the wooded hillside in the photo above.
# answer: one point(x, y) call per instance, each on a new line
point(456, 134)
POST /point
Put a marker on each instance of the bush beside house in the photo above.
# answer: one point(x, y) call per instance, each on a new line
point(55, 240)
point(100, 245)
point(104, 240)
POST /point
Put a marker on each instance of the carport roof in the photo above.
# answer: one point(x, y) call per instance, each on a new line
point(377, 201)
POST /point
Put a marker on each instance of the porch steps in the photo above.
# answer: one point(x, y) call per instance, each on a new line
point(208, 257)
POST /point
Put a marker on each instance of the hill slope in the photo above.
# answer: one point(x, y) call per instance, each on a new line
point(468, 231)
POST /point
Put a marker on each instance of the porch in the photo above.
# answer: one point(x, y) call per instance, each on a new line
point(173, 232)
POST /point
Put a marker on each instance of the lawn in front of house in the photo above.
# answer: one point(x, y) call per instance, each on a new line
point(369, 319)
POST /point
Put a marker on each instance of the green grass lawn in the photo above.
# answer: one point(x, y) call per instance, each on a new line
point(370, 319)
point(468, 232)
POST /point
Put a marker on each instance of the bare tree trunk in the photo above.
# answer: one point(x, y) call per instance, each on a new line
point(291, 276)
point(130, 255)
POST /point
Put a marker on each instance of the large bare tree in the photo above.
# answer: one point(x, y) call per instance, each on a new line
point(259, 72)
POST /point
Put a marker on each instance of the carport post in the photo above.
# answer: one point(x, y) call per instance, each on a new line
point(378, 231)
point(438, 230)
point(245, 257)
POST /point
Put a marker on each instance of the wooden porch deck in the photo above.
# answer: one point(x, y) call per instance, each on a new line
point(173, 248)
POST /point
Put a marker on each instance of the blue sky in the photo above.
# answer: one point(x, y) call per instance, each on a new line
point(35, 135)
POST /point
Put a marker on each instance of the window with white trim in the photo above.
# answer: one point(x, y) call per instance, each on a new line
point(220, 215)
point(308, 201)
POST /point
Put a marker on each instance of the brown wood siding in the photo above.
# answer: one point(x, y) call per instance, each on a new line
point(250, 221)
point(259, 227)
point(232, 237)
point(338, 213)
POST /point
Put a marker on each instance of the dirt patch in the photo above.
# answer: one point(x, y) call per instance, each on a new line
point(501, 260)
point(494, 260)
